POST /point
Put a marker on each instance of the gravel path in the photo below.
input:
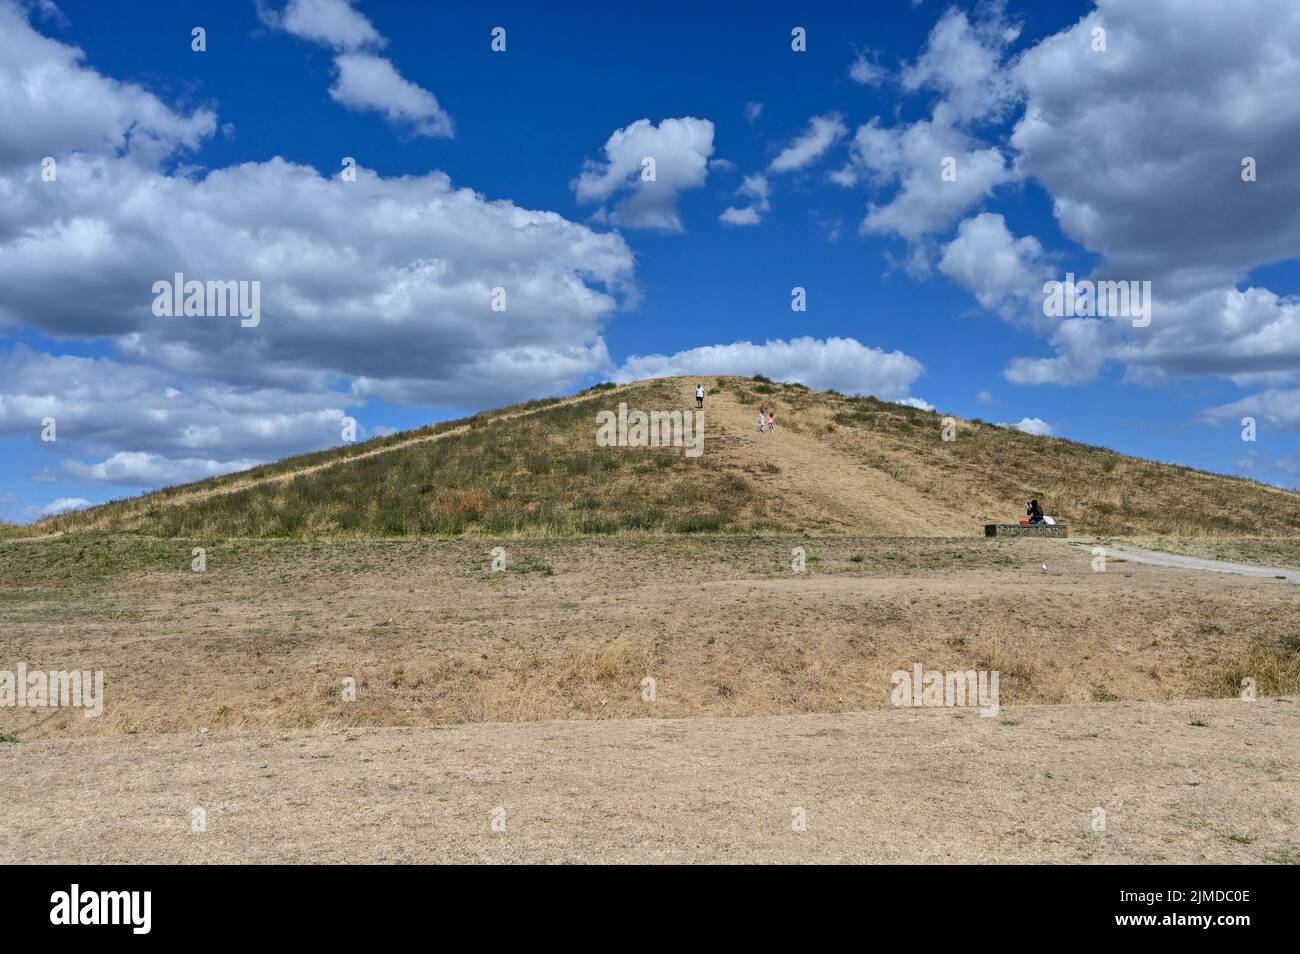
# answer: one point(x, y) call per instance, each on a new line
point(1134, 554)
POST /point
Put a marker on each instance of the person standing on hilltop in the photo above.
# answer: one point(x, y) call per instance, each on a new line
point(699, 395)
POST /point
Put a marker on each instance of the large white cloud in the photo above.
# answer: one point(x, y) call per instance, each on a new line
point(378, 287)
point(1249, 336)
point(1140, 146)
point(51, 104)
point(680, 150)
point(376, 279)
point(841, 363)
point(179, 428)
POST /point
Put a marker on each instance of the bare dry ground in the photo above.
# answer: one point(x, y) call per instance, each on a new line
point(1178, 782)
point(266, 636)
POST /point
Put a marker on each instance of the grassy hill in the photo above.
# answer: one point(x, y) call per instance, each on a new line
point(835, 465)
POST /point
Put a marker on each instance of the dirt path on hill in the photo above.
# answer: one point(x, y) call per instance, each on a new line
point(828, 488)
point(40, 539)
point(1172, 782)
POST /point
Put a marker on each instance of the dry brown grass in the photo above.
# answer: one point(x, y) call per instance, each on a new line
point(432, 635)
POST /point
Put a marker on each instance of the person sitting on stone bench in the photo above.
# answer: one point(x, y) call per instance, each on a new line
point(1035, 512)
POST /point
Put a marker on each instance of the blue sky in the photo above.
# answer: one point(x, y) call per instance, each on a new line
point(521, 169)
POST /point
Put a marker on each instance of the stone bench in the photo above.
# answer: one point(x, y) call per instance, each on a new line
point(1026, 530)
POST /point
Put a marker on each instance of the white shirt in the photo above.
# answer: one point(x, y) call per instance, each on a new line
point(699, 392)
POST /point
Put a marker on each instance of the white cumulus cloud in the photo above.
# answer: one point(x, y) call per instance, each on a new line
point(650, 166)
point(61, 505)
point(1031, 425)
point(335, 23)
point(366, 81)
point(1005, 273)
point(1272, 409)
point(904, 165)
point(822, 133)
point(916, 402)
point(363, 79)
point(866, 71)
point(142, 469)
point(756, 189)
